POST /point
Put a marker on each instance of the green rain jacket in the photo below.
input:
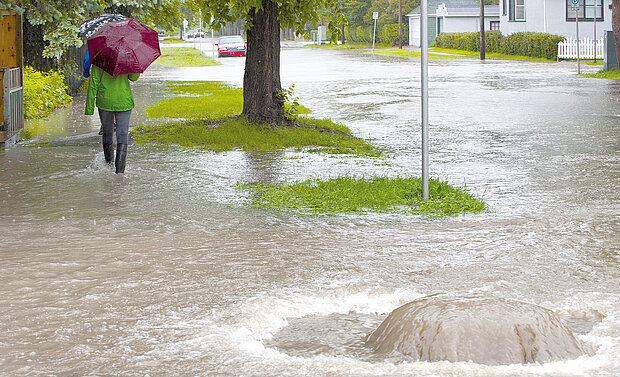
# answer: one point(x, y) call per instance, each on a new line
point(112, 93)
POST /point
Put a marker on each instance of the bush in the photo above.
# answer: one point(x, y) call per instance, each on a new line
point(387, 34)
point(538, 45)
point(44, 92)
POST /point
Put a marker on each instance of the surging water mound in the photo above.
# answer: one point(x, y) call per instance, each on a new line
point(488, 331)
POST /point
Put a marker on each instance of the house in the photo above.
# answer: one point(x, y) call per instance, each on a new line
point(452, 16)
point(555, 17)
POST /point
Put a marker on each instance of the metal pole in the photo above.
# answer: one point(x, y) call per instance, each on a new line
point(373, 34)
point(577, 26)
point(594, 22)
point(424, 85)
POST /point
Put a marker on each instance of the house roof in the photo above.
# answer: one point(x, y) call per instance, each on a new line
point(458, 7)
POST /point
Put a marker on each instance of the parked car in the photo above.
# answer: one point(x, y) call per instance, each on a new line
point(233, 45)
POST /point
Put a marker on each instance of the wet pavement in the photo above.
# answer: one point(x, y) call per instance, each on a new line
point(166, 271)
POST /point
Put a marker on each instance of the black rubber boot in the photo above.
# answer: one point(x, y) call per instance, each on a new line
point(108, 153)
point(121, 155)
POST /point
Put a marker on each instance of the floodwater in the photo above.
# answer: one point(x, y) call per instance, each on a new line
point(166, 270)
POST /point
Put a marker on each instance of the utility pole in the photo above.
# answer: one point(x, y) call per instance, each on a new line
point(482, 34)
point(424, 85)
point(400, 24)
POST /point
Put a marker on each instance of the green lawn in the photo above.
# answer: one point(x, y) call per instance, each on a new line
point(614, 75)
point(412, 54)
point(491, 55)
point(184, 57)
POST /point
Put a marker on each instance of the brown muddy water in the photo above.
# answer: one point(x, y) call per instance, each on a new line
point(166, 271)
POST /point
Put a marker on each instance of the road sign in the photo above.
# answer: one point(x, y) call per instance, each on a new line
point(375, 15)
point(574, 5)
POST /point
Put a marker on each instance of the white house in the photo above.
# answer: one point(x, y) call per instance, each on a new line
point(555, 17)
point(452, 16)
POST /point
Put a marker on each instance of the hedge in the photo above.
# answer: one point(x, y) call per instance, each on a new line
point(538, 45)
point(386, 34)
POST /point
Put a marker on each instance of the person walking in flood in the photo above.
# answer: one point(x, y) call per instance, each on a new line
point(114, 100)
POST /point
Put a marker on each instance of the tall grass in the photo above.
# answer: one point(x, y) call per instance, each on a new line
point(359, 195)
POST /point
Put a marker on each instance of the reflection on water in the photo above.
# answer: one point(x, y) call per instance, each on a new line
point(166, 269)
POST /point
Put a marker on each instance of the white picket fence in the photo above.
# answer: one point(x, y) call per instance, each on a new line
point(568, 49)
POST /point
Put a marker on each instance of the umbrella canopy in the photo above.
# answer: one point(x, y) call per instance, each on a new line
point(90, 26)
point(124, 47)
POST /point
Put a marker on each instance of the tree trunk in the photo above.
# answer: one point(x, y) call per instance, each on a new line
point(261, 83)
point(400, 24)
point(615, 20)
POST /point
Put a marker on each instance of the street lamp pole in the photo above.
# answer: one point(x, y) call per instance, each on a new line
point(424, 85)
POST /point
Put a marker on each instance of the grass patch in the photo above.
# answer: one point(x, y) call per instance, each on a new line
point(348, 46)
point(184, 57)
point(361, 195)
point(172, 41)
point(412, 54)
point(202, 99)
point(491, 55)
point(237, 133)
point(211, 111)
point(613, 74)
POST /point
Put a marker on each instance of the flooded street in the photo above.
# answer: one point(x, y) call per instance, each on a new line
point(166, 270)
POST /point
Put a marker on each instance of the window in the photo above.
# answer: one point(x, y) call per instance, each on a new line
point(494, 25)
point(505, 7)
point(586, 13)
point(516, 10)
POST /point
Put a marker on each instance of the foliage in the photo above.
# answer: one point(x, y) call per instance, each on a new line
point(331, 46)
point(291, 103)
point(62, 18)
point(184, 57)
point(388, 10)
point(540, 45)
point(292, 14)
point(232, 133)
point(387, 34)
point(613, 74)
point(359, 195)
point(43, 93)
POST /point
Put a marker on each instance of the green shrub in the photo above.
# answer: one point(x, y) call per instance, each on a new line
point(387, 34)
point(538, 45)
point(44, 92)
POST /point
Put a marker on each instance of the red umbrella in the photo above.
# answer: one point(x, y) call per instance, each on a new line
point(124, 47)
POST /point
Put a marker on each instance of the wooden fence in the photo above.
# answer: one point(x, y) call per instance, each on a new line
point(587, 46)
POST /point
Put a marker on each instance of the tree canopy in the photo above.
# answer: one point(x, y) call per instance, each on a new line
point(292, 14)
point(62, 18)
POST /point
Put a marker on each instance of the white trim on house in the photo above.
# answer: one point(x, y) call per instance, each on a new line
point(452, 20)
point(553, 16)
